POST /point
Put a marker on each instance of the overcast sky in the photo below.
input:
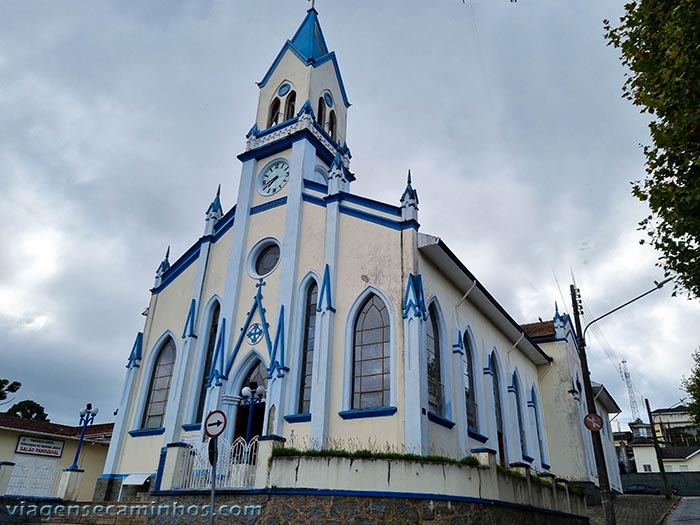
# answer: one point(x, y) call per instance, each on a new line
point(119, 119)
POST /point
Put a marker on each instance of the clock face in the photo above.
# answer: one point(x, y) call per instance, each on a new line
point(274, 178)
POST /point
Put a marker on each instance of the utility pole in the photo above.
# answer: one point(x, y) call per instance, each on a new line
point(601, 467)
point(657, 449)
point(603, 481)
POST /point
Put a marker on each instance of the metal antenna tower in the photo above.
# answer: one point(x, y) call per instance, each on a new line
point(630, 390)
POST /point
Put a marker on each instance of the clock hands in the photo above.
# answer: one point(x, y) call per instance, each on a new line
point(266, 185)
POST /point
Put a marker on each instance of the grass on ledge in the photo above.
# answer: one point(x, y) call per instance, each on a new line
point(369, 454)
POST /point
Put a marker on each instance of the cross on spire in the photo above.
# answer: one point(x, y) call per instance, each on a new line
point(313, 4)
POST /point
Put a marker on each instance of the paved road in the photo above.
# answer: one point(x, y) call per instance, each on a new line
point(635, 510)
point(687, 511)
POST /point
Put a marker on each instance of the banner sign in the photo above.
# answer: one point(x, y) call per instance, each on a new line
point(39, 447)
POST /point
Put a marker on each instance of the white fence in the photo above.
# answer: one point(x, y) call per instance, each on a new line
point(235, 467)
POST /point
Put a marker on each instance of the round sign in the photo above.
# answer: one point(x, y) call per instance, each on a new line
point(215, 423)
point(593, 422)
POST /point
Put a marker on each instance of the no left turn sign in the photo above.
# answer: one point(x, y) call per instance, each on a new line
point(215, 423)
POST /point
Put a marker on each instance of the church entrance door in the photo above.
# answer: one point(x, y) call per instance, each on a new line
point(251, 410)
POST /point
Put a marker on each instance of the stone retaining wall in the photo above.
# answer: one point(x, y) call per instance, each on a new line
point(279, 507)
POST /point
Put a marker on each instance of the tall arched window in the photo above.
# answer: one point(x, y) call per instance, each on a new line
point(469, 385)
point(289, 105)
point(435, 387)
point(371, 362)
point(331, 124)
point(274, 117)
point(307, 349)
point(210, 344)
point(519, 412)
point(498, 409)
point(159, 388)
point(321, 112)
point(538, 427)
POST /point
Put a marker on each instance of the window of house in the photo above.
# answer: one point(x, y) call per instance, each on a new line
point(211, 343)
point(683, 468)
point(321, 113)
point(307, 349)
point(498, 409)
point(331, 124)
point(371, 363)
point(647, 468)
point(289, 106)
point(538, 427)
point(274, 117)
point(159, 388)
point(435, 386)
point(519, 413)
point(469, 385)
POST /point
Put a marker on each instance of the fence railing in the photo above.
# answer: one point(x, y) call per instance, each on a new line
point(235, 467)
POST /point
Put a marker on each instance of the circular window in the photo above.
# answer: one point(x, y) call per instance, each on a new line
point(264, 258)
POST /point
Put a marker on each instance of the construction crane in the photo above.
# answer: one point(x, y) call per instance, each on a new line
point(630, 390)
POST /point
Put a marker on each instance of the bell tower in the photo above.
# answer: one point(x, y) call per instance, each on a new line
point(304, 71)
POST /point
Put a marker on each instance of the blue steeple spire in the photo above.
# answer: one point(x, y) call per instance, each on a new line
point(308, 39)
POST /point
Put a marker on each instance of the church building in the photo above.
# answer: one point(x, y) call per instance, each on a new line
point(331, 319)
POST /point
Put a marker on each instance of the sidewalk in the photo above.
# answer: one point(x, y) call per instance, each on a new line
point(687, 512)
point(635, 510)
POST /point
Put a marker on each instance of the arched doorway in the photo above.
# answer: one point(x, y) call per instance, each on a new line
point(248, 413)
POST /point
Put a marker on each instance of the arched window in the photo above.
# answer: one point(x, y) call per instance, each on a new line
point(469, 385)
point(159, 388)
point(274, 117)
point(321, 113)
point(538, 427)
point(435, 387)
point(371, 363)
point(519, 412)
point(307, 349)
point(331, 124)
point(210, 344)
point(289, 106)
point(498, 409)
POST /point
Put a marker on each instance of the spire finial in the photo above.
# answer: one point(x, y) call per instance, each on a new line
point(167, 253)
point(218, 191)
point(313, 4)
point(409, 176)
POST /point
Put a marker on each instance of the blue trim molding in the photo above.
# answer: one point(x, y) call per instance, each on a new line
point(444, 422)
point(189, 427)
point(475, 435)
point(277, 348)
point(528, 458)
point(268, 205)
point(367, 412)
point(545, 466)
point(325, 292)
point(188, 329)
point(113, 476)
point(313, 200)
point(414, 299)
point(136, 352)
point(297, 418)
point(145, 432)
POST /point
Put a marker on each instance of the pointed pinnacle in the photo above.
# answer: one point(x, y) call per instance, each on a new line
point(167, 252)
point(218, 190)
point(409, 176)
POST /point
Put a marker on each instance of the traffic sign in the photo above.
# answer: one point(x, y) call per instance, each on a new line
point(215, 423)
point(593, 422)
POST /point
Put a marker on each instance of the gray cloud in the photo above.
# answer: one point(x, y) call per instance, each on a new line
point(120, 119)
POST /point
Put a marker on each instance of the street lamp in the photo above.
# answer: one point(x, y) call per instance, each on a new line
point(601, 467)
point(252, 395)
point(87, 416)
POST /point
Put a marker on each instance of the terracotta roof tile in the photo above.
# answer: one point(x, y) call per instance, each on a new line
point(538, 330)
point(101, 431)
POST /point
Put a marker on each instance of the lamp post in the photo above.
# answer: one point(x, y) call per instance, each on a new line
point(603, 481)
point(252, 395)
point(87, 416)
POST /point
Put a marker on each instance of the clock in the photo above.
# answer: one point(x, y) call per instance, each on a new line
point(273, 178)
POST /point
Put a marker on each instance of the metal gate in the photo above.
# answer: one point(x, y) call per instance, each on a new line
point(34, 476)
point(235, 467)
